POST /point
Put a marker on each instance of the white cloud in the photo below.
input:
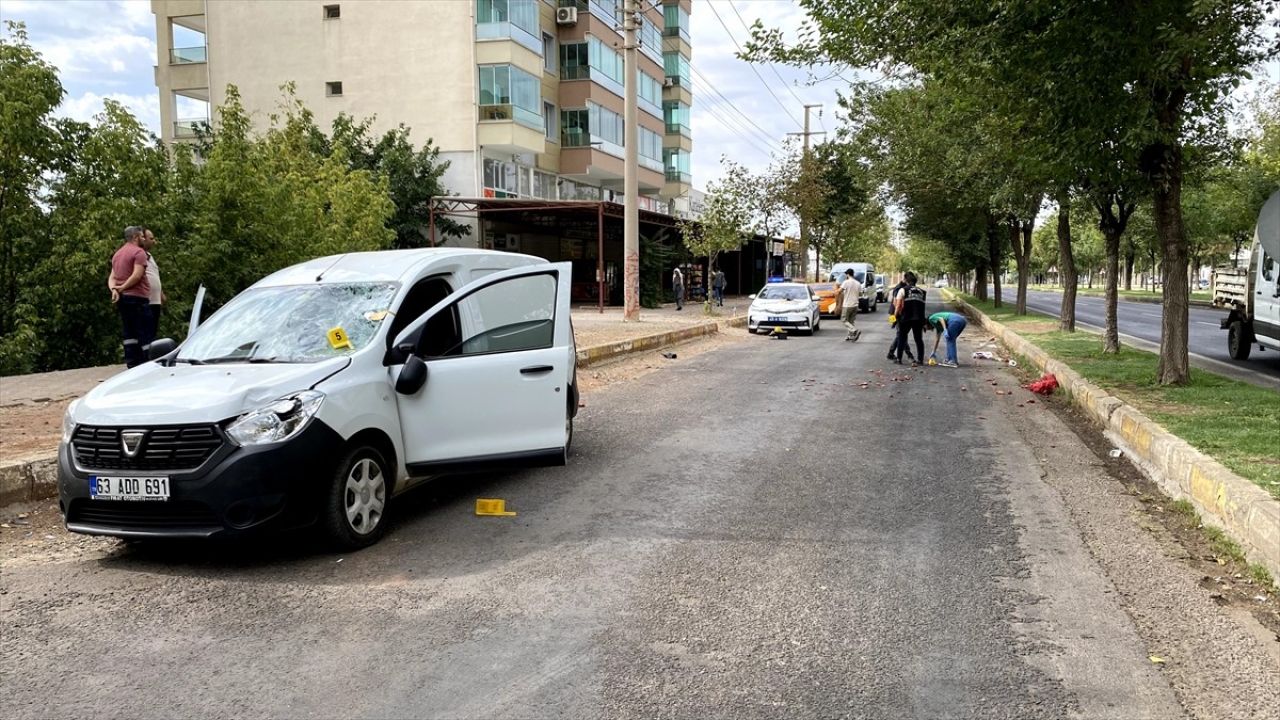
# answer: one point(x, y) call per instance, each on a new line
point(84, 107)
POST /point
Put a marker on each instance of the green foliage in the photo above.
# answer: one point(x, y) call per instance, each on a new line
point(726, 216)
point(29, 92)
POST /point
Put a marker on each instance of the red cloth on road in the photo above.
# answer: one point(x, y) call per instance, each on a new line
point(1045, 385)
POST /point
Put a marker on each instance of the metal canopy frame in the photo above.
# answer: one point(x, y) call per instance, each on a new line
point(476, 207)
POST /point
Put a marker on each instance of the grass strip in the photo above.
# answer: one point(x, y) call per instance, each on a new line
point(1232, 422)
point(1147, 294)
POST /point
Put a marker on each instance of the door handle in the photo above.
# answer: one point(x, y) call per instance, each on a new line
point(536, 369)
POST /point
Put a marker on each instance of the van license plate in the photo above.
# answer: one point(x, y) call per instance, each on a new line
point(103, 487)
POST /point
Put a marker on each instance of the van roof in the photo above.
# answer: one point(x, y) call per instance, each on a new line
point(384, 265)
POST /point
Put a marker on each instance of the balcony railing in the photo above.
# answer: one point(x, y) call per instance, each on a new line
point(575, 72)
point(190, 128)
point(188, 55)
point(678, 176)
point(679, 129)
point(528, 118)
point(677, 81)
point(575, 138)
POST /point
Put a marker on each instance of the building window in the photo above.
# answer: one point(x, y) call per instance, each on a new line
point(509, 93)
point(549, 124)
point(650, 39)
point(677, 162)
point(501, 179)
point(509, 19)
point(650, 151)
point(548, 52)
point(677, 67)
point(676, 21)
point(649, 91)
point(574, 62)
point(676, 115)
point(575, 129)
point(332, 12)
point(333, 89)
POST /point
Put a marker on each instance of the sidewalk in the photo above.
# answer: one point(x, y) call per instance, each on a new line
point(32, 406)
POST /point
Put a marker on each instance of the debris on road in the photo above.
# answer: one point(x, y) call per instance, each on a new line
point(1115, 453)
point(1047, 383)
point(492, 507)
point(669, 355)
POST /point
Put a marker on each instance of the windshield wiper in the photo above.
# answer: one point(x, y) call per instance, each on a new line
point(233, 359)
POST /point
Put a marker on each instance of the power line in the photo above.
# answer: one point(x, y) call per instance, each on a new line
point(771, 66)
point(752, 65)
point(712, 88)
point(736, 126)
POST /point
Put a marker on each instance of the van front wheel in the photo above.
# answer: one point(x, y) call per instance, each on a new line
point(356, 506)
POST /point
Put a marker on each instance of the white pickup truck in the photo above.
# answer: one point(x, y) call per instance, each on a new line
point(1254, 318)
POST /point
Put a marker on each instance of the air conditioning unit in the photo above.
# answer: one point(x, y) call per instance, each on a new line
point(668, 82)
point(567, 16)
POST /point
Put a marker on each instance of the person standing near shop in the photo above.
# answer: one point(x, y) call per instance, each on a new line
point(717, 286)
point(847, 299)
point(950, 325)
point(156, 298)
point(677, 287)
point(131, 294)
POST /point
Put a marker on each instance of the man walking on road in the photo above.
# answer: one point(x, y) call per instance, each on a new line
point(677, 287)
point(131, 294)
point(717, 287)
point(908, 306)
point(847, 300)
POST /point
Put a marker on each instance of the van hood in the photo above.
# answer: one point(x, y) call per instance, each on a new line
point(152, 394)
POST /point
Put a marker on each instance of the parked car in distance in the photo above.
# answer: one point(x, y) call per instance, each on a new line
point(323, 392)
point(940, 282)
point(788, 306)
point(825, 294)
point(880, 290)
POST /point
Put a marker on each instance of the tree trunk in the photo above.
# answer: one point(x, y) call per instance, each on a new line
point(1174, 368)
point(980, 281)
point(1066, 265)
point(1024, 273)
point(1111, 331)
point(1128, 268)
point(1022, 261)
point(994, 248)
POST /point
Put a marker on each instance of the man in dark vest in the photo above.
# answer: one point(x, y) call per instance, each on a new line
point(908, 306)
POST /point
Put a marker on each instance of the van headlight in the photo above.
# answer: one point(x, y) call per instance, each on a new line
point(277, 422)
point(68, 424)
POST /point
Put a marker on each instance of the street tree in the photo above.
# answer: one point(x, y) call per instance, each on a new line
point(1156, 72)
point(725, 222)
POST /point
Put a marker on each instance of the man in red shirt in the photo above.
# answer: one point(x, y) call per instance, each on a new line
point(131, 294)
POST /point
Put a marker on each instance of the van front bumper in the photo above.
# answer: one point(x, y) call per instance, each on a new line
point(237, 491)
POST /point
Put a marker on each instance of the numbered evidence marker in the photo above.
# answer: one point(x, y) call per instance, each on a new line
point(338, 339)
point(492, 506)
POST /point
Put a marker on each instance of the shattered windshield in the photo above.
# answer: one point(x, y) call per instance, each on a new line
point(292, 324)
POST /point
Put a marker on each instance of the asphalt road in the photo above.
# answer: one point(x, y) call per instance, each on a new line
point(1142, 320)
point(750, 532)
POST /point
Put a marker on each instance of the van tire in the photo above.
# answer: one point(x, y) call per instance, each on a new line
point(360, 486)
point(1239, 342)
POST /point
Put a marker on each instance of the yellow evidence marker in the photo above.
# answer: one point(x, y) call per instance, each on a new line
point(493, 506)
point(338, 339)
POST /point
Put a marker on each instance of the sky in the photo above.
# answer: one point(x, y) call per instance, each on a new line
point(107, 49)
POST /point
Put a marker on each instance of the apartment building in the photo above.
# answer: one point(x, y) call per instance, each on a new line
point(523, 97)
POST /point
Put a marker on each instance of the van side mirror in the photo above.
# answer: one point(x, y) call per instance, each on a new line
point(160, 348)
point(397, 354)
point(412, 376)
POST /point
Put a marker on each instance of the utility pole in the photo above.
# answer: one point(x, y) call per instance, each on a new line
point(631, 140)
point(804, 167)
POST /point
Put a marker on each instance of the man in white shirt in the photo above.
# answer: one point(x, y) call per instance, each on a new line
point(847, 298)
point(156, 296)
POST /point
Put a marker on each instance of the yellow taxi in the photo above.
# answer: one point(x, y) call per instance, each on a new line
point(825, 296)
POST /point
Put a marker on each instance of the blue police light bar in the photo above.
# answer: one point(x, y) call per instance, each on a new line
point(776, 279)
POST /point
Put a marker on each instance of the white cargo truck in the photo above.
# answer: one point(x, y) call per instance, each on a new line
point(1254, 318)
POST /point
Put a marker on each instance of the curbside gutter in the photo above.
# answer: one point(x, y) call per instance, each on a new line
point(1224, 500)
point(37, 479)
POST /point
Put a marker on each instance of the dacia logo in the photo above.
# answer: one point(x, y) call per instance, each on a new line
point(131, 442)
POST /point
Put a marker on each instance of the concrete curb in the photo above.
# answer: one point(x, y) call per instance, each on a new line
point(608, 351)
point(1246, 512)
point(30, 480)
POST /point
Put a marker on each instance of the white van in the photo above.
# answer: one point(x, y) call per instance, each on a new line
point(864, 273)
point(324, 391)
point(1254, 318)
